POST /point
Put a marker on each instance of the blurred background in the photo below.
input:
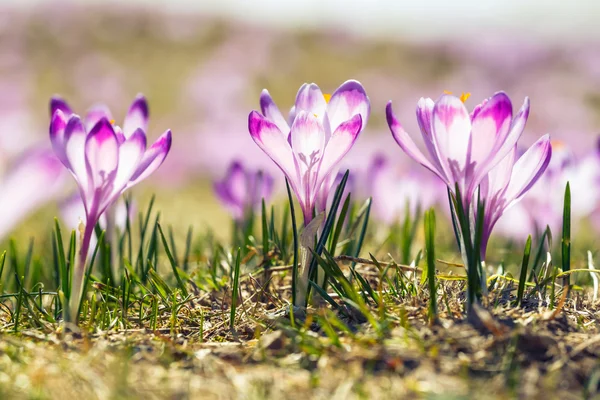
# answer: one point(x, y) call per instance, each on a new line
point(203, 64)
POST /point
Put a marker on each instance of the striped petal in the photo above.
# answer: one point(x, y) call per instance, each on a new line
point(490, 126)
point(409, 147)
point(137, 116)
point(347, 101)
point(310, 99)
point(341, 141)
point(57, 135)
point(269, 138)
point(130, 154)
point(75, 138)
point(152, 158)
point(529, 168)
point(102, 154)
point(271, 112)
point(451, 128)
point(57, 103)
point(95, 114)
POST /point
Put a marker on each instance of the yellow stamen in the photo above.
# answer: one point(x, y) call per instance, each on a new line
point(463, 97)
point(327, 97)
point(557, 144)
point(112, 121)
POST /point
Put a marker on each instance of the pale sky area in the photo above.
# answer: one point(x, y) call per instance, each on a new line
point(544, 19)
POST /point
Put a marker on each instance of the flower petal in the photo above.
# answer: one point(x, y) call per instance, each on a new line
point(152, 158)
point(102, 154)
point(499, 177)
point(529, 168)
point(408, 145)
point(339, 144)
point(490, 125)
point(308, 138)
point(57, 103)
point(137, 116)
point(347, 101)
point(424, 111)
point(310, 99)
point(75, 138)
point(271, 111)
point(269, 138)
point(130, 154)
point(504, 147)
point(95, 114)
point(57, 135)
point(451, 128)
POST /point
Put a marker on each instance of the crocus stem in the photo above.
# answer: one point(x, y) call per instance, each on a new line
point(307, 241)
point(79, 273)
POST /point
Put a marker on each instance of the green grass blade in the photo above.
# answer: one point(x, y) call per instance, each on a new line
point(172, 262)
point(430, 251)
point(236, 288)
point(566, 236)
point(523, 276)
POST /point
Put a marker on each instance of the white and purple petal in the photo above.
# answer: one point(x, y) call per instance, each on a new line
point(341, 141)
point(529, 168)
point(102, 154)
point(451, 129)
point(75, 138)
point(347, 101)
point(152, 158)
point(270, 110)
point(130, 154)
point(57, 135)
point(269, 138)
point(408, 145)
point(95, 114)
point(310, 99)
point(490, 126)
point(57, 103)
point(137, 116)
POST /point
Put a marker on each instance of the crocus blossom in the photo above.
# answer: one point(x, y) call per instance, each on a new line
point(506, 183)
point(35, 178)
point(105, 160)
point(242, 190)
point(462, 148)
point(318, 135)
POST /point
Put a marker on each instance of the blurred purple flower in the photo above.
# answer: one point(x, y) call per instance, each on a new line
point(508, 181)
point(318, 135)
point(105, 160)
point(462, 147)
point(242, 190)
point(36, 177)
point(394, 189)
point(543, 205)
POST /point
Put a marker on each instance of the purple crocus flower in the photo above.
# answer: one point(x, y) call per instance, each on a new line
point(508, 181)
point(319, 134)
point(105, 160)
point(242, 190)
point(462, 148)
